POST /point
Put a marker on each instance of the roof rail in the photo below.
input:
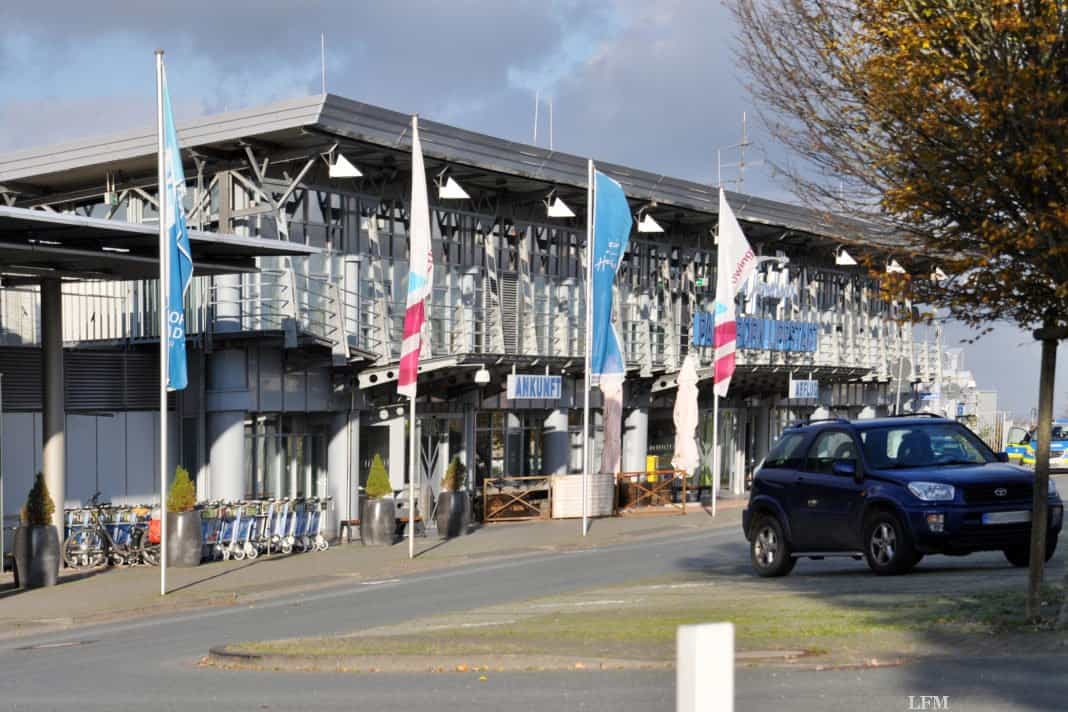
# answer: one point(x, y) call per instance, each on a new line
point(803, 423)
point(921, 414)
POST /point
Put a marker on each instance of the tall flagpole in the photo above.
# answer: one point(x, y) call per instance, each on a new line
point(590, 197)
point(163, 302)
point(411, 481)
point(715, 443)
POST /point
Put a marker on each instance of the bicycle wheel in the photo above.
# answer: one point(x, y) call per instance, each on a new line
point(149, 553)
point(84, 549)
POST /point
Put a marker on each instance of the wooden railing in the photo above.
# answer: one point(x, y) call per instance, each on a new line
point(649, 492)
point(513, 499)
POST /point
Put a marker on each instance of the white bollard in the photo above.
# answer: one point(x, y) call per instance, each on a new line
point(704, 668)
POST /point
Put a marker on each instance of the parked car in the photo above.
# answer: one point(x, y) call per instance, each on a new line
point(891, 491)
point(1058, 447)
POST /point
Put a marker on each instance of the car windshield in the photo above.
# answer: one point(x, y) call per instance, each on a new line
point(923, 445)
point(1059, 432)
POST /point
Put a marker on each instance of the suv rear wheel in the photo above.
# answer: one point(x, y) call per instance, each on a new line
point(1021, 555)
point(768, 548)
point(887, 545)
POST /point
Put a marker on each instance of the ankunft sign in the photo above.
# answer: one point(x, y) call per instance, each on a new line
point(535, 387)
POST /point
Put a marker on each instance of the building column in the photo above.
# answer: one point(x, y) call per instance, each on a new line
point(227, 406)
point(555, 443)
point(635, 439)
point(398, 446)
point(341, 474)
point(53, 459)
point(226, 431)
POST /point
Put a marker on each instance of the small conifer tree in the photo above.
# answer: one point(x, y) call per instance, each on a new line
point(39, 505)
point(378, 485)
point(453, 480)
point(183, 494)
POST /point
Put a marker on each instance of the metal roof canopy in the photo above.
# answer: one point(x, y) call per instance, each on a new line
point(379, 136)
point(36, 244)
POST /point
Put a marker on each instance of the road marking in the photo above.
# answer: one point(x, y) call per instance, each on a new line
point(379, 582)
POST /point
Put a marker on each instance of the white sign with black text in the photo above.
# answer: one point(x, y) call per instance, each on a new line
point(804, 389)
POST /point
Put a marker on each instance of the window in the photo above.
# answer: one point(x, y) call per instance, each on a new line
point(787, 453)
point(830, 447)
point(934, 445)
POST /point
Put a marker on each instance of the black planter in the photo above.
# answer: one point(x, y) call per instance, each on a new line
point(37, 556)
point(453, 515)
point(185, 542)
point(378, 521)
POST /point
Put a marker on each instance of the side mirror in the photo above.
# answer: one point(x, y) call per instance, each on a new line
point(847, 468)
point(1003, 457)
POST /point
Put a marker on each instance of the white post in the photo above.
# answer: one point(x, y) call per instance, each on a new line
point(162, 197)
point(589, 345)
point(412, 466)
point(715, 451)
point(704, 668)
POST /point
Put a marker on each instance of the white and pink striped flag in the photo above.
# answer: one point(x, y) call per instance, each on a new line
point(735, 263)
point(420, 271)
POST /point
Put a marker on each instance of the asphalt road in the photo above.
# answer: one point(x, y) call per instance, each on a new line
point(151, 663)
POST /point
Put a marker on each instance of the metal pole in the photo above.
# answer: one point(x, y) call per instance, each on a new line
point(162, 177)
point(411, 481)
point(590, 197)
point(322, 58)
point(537, 100)
point(715, 450)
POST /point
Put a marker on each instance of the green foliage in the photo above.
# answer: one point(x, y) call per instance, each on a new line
point(39, 505)
point(183, 494)
point(378, 485)
point(453, 481)
point(706, 476)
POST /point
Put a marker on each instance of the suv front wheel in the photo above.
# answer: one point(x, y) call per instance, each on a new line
point(768, 548)
point(887, 545)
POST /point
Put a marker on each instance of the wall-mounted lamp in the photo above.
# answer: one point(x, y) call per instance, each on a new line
point(646, 222)
point(556, 208)
point(844, 259)
point(449, 188)
point(482, 376)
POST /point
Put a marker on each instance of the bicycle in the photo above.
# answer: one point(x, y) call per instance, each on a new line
point(115, 540)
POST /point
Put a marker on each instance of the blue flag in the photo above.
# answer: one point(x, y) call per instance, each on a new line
point(179, 255)
point(611, 232)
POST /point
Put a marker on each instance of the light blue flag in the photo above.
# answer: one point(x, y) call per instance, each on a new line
point(611, 232)
point(179, 254)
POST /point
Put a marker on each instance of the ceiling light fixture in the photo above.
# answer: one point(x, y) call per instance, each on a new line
point(844, 259)
point(342, 167)
point(556, 208)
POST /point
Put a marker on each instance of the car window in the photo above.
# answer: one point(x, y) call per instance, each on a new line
point(787, 452)
point(924, 445)
point(1017, 435)
point(828, 448)
point(1058, 432)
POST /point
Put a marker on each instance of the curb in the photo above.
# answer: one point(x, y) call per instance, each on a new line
point(230, 659)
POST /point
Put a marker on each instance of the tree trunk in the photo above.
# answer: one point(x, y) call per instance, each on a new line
point(1040, 498)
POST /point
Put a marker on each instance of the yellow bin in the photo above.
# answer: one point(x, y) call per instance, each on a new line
point(651, 463)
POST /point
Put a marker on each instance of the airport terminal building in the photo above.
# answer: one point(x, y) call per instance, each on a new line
point(293, 360)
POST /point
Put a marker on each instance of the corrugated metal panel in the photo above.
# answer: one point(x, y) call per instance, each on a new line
point(94, 380)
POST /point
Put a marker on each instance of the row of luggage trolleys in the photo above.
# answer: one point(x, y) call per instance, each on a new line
point(101, 534)
point(246, 529)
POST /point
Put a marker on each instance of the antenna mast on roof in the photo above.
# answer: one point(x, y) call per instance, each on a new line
point(537, 100)
point(322, 58)
point(740, 164)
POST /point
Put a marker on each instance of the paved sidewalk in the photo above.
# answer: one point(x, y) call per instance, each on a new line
point(108, 594)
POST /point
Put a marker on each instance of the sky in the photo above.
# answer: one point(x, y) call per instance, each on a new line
point(646, 83)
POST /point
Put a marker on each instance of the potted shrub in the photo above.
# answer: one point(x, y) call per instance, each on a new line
point(454, 506)
point(36, 539)
point(378, 515)
point(184, 539)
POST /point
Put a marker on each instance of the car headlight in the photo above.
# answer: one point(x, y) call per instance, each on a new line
point(932, 491)
point(1052, 488)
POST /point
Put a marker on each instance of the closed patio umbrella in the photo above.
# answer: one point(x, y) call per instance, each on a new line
point(687, 457)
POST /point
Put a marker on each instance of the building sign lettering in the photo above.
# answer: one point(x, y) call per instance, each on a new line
point(760, 334)
point(534, 387)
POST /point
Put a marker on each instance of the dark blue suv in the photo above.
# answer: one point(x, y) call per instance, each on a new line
point(890, 490)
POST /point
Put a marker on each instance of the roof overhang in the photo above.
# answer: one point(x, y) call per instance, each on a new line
point(35, 244)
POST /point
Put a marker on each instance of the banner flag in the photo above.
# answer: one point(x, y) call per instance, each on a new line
point(420, 271)
point(611, 232)
point(179, 255)
point(734, 264)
